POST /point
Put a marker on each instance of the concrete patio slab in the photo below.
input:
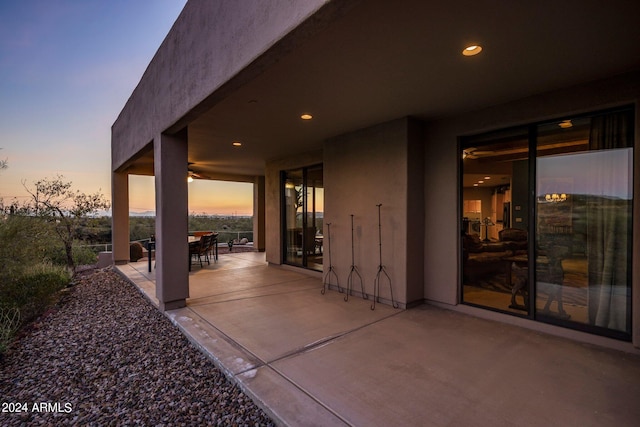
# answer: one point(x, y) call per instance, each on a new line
point(431, 366)
point(312, 359)
point(276, 325)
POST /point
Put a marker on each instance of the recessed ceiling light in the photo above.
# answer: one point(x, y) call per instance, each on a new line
point(475, 185)
point(487, 177)
point(481, 182)
point(565, 124)
point(236, 143)
point(306, 117)
point(472, 50)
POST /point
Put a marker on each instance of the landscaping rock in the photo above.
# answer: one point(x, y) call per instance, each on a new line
point(106, 356)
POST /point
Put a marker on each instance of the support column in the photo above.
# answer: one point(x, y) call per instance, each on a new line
point(259, 213)
point(120, 217)
point(172, 247)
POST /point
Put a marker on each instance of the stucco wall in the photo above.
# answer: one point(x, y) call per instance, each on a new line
point(442, 252)
point(378, 165)
point(209, 44)
point(415, 211)
point(361, 170)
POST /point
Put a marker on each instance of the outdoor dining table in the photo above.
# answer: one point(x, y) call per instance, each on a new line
point(151, 246)
point(193, 240)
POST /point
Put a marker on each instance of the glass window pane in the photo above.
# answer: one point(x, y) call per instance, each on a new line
point(495, 176)
point(303, 213)
point(315, 206)
point(293, 205)
point(584, 189)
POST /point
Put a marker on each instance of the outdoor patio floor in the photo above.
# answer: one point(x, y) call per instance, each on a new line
point(311, 359)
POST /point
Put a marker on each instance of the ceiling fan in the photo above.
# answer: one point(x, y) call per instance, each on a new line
point(474, 153)
point(193, 174)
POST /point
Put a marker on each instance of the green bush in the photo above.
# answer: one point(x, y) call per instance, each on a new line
point(24, 242)
point(25, 296)
point(82, 255)
point(34, 291)
point(9, 325)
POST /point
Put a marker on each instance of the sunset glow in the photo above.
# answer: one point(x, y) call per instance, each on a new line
point(205, 197)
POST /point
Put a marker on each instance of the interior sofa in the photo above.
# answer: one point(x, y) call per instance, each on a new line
point(483, 258)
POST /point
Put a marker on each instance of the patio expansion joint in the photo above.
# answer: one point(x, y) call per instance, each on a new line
point(260, 363)
point(194, 301)
point(237, 375)
point(315, 346)
point(328, 340)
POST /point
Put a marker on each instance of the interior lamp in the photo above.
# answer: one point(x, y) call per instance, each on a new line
point(555, 197)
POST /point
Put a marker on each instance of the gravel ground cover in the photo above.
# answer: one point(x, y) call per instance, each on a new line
point(105, 356)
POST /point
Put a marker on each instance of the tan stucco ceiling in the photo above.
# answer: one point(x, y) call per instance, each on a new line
point(387, 59)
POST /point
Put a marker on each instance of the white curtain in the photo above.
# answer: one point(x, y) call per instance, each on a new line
point(609, 221)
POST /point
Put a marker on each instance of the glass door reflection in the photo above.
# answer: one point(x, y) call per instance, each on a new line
point(303, 214)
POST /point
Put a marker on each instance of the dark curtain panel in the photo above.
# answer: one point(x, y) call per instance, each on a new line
point(611, 131)
point(609, 226)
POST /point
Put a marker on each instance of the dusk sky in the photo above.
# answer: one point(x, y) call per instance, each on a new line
point(67, 68)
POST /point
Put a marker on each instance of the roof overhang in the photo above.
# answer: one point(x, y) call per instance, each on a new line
point(381, 60)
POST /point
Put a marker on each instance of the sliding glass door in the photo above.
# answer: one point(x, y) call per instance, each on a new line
point(564, 237)
point(584, 197)
point(495, 220)
point(303, 201)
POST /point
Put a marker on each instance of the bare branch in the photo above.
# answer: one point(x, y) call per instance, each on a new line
point(54, 201)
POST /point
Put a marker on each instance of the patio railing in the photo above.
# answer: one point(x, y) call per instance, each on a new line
point(224, 237)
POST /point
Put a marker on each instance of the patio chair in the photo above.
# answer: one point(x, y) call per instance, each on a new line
point(212, 250)
point(199, 249)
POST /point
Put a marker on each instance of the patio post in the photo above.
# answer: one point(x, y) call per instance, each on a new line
point(259, 213)
point(120, 217)
point(172, 248)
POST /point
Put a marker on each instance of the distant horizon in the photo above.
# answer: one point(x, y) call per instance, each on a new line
point(152, 214)
point(148, 214)
point(206, 197)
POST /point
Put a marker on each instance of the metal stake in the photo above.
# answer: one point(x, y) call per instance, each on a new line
point(353, 271)
point(327, 277)
point(381, 271)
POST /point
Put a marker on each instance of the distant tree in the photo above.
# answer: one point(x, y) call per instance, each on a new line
point(3, 163)
point(54, 201)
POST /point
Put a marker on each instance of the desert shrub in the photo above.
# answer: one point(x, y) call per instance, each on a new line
point(82, 255)
point(141, 228)
point(9, 325)
point(24, 242)
point(28, 281)
point(27, 295)
point(33, 291)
